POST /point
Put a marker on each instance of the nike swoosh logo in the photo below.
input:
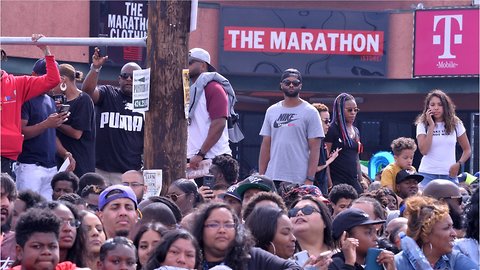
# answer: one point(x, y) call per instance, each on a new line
point(278, 124)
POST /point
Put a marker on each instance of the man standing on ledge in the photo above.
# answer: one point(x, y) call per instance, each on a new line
point(119, 142)
point(207, 129)
point(291, 136)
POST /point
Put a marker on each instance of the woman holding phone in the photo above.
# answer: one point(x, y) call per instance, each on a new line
point(438, 131)
point(77, 134)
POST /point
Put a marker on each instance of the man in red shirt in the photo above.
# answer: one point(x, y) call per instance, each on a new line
point(15, 90)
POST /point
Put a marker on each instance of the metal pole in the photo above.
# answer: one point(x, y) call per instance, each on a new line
point(72, 41)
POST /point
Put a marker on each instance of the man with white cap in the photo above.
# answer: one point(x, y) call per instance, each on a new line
point(208, 112)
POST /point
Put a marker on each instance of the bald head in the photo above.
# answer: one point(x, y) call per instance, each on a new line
point(396, 224)
point(130, 67)
point(125, 79)
point(135, 180)
point(441, 188)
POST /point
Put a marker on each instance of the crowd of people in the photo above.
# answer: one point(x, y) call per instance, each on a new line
point(308, 207)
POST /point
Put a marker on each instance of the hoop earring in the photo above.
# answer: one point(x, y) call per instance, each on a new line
point(63, 87)
point(274, 249)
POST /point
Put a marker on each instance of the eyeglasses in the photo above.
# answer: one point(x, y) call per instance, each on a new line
point(458, 198)
point(356, 110)
point(174, 197)
point(126, 75)
point(72, 223)
point(133, 184)
point(216, 226)
point(306, 210)
point(288, 82)
point(326, 121)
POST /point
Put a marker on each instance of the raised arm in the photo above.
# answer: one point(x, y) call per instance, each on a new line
point(35, 86)
point(90, 83)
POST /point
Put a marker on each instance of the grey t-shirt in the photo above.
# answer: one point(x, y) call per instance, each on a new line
point(290, 129)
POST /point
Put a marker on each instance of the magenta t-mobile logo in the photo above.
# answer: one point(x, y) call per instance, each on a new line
point(449, 21)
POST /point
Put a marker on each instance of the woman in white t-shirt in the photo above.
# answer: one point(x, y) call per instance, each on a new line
point(438, 130)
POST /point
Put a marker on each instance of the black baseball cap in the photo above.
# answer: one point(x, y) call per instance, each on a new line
point(291, 72)
point(40, 67)
point(232, 192)
point(350, 218)
point(261, 182)
point(407, 174)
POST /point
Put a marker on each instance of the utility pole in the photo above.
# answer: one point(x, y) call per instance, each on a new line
point(165, 143)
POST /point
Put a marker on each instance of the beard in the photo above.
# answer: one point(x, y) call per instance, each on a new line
point(292, 94)
point(123, 233)
point(457, 219)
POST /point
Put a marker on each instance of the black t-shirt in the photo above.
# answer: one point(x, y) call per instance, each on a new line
point(40, 149)
point(82, 117)
point(119, 143)
point(343, 170)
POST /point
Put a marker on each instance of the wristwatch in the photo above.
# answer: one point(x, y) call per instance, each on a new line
point(311, 178)
point(97, 70)
point(199, 153)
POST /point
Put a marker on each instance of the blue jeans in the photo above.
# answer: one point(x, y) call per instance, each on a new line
point(427, 177)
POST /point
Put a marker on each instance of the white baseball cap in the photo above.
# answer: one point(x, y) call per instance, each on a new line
point(201, 55)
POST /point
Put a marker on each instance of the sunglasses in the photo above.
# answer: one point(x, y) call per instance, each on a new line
point(353, 110)
point(191, 61)
point(174, 197)
point(288, 82)
point(306, 210)
point(326, 121)
point(459, 199)
point(126, 75)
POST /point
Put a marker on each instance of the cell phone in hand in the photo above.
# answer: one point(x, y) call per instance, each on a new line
point(325, 254)
point(59, 99)
point(209, 181)
point(64, 108)
point(371, 259)
point(301, 257)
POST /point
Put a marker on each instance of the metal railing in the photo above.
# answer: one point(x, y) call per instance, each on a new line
point(73, 41)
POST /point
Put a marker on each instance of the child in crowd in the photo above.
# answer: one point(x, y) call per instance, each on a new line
point(118, 253)
point(403, 150)
point(37, 242)
point(341, 197)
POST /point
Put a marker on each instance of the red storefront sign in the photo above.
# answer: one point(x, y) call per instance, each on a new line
point(310, 41)
point(446, 42)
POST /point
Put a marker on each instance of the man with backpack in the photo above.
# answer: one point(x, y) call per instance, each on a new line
point(211, 104)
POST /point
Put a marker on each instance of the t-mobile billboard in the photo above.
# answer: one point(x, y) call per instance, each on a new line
point(446, 42)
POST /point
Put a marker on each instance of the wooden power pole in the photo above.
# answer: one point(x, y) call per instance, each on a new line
point(165, 144)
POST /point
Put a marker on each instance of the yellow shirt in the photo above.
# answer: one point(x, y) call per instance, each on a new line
point(389, 174)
